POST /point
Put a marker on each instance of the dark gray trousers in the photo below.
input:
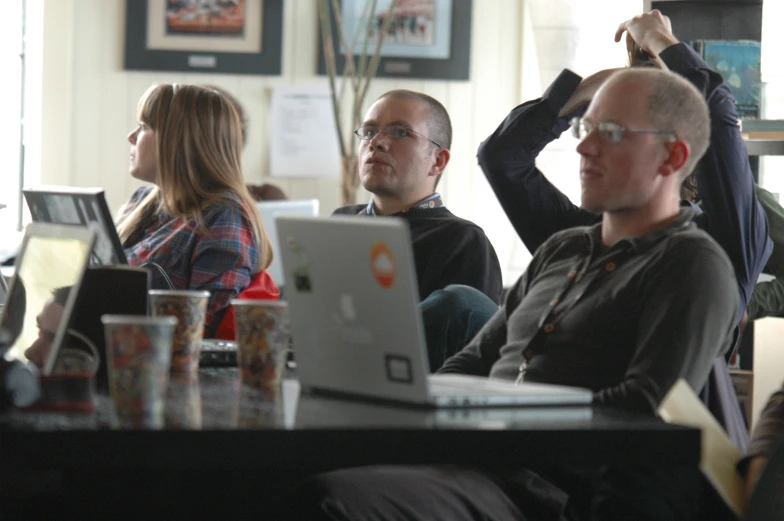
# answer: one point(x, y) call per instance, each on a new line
point(397, 493)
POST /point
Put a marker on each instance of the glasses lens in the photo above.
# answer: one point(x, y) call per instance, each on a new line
point(581, 128)
point(611, 133)
point(577, 128)
point(396, 131)
point(366, 132)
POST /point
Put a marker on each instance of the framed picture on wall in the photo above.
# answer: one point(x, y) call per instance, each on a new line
point(213, 36)
point(428, 39)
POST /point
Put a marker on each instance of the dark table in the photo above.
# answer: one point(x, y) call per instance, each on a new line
point(227, 448)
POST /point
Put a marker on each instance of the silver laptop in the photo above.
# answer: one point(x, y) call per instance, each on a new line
point(269, 210)
point(3, 289)
point(215, 352)
point(43, 291)
point(356, 326)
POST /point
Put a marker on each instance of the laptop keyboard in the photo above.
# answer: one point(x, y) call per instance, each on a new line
point(218, 353)
point(449, 389)
point(455, 384)
point(223, 353)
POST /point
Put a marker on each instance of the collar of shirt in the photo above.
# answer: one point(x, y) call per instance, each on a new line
point(644, 242)
point(433, 201)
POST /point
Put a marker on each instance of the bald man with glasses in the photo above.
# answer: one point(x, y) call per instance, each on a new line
point(404, 148)
point(728, 207)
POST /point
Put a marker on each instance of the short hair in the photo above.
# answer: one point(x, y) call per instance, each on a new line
point(641, 58)
point(60, 295)
point(438, 122)
point(674, 104)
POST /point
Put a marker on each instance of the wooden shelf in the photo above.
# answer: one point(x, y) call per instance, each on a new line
point(765, 147)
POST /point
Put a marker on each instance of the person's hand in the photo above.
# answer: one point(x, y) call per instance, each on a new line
point(650, 31)
point(753, 473)
point(585, 92)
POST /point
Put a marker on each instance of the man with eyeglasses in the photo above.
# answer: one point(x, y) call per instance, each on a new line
point(403, 151)
point(625, 307)
point(729, 209)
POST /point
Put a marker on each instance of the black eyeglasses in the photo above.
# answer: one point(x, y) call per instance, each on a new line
point(609, 132)
point(367, 132)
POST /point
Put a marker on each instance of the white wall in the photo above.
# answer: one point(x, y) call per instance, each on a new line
point(768, 362)
point(88, 101)
point(10, 110)
point(768, 351)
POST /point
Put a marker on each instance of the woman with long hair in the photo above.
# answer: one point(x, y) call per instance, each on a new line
point(198, 226)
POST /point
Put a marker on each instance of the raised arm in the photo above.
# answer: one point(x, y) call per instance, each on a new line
point(732, 214)
point(768, 297)
point(479, 355)
point(535, 207)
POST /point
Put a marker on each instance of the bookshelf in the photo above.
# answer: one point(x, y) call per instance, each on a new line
point(764, 147)
point(712, 19)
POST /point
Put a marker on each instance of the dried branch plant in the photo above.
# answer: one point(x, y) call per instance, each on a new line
point(355, 78)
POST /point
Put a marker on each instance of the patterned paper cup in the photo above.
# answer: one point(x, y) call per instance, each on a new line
point(183, 402)
point(138, 353)
point(262, 342)
point(190, 308)
point(256, 408)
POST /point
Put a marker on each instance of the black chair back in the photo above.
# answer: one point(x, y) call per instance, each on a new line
point(108, 290)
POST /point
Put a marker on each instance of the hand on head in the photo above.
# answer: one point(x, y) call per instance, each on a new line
point(586, 91)
point(652, 32)
point(648, 32)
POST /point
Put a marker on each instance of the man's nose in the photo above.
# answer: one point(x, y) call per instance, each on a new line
point(378, 141)
point(37, 351)
point(588, 145)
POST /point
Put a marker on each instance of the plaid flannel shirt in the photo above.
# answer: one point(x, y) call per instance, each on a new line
point(221, 261)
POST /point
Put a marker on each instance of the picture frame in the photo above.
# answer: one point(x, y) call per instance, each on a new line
point(180, 36)
point(448, 59)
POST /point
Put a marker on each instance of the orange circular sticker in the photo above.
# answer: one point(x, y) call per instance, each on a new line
point(382, 264)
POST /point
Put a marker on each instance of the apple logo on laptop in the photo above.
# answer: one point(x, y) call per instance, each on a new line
point(348, 310)
point(344, 319)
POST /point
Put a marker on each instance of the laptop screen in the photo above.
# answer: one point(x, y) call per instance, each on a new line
point(82, 206)
point(269, 210)
point(43, 291)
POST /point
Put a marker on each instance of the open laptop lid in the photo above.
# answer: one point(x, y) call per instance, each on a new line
point(3, 288)
point(79, 206)
point(355, 324)
point(269, 210)
point(43, 291)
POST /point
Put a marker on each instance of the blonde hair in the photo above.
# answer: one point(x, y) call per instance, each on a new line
point(198, 138)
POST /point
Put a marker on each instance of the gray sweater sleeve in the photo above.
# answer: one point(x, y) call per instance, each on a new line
point(479, 355)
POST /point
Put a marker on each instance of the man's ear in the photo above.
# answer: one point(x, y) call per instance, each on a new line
point(442, 159)
point(680, 151)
